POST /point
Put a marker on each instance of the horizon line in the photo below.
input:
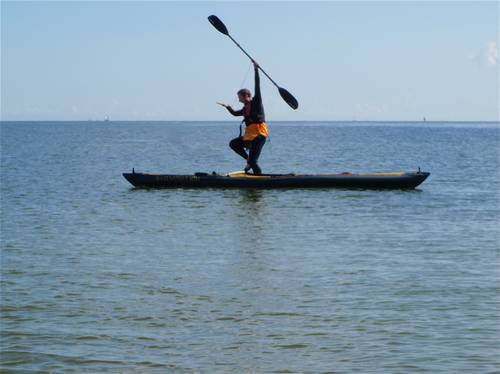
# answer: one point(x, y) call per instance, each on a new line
point(274, 121)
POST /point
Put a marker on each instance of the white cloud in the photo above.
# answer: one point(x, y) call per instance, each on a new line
point(491, 53)
point(487, 55)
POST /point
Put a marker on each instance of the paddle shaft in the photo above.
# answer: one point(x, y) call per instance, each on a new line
point(285, 95)
point(250, 57)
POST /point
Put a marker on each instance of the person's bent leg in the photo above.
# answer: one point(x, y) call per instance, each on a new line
point(237, 145)
point(255, 150)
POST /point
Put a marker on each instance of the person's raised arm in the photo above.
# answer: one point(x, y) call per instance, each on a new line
point(257, 97)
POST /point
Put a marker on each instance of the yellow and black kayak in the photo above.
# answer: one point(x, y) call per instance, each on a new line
point(386, 180)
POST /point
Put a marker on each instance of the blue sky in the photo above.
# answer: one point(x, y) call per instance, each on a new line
point(164, 61)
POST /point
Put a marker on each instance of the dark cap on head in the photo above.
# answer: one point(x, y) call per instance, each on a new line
point(244, 92)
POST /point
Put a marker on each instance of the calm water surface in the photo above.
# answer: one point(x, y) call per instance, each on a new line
point(97, 277)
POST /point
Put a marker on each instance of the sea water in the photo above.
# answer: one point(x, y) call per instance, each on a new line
point(99, 277)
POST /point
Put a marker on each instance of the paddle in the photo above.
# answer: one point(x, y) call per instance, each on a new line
point(287, 96)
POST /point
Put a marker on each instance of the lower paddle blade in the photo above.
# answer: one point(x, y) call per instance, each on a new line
point(288, 97)
point(218, 24)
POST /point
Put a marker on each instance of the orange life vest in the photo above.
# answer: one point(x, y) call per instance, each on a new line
point(255, 129)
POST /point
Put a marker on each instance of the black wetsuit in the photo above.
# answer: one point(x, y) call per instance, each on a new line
point(254, 115)
point(238, 145)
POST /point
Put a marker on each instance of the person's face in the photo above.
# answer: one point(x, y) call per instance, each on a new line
point(244, 98)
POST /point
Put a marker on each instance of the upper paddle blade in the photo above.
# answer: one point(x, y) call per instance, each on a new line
point(218, 24)
point(288, 97)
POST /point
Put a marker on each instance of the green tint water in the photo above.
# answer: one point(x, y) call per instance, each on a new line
point(99, 277)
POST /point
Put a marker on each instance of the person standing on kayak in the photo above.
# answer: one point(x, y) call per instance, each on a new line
point(256, 131)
